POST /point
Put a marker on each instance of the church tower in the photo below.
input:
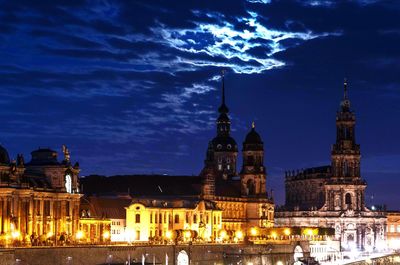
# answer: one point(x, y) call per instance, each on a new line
point(222, 150)
point(345, 189)
point(253, 175)
point(345, 152)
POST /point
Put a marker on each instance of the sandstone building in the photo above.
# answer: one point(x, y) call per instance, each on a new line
point(39, 200)
point(334, 196)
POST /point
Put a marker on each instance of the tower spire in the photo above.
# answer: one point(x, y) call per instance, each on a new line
point(223, 108)
point(345, 104)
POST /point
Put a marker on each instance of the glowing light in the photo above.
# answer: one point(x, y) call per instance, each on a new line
point(253, 231)
point(279, 263)
point(239, 234)
point(15, 234)
point(187, 234)
point(49, 234)
point(274, 234)
point(222, 234)
point(287, 231)
point(79, 235)
point(106, 235)
point(168, 234)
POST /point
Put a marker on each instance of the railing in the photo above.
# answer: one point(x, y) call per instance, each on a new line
point(392, 259)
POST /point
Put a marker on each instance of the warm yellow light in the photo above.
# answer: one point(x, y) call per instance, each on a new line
point(49, 234)
point(309, 232)
point(188, 234)
point(253, 231)
point(239, 234)
point(168, 234)
point(274, 234)
point(106, 235)
point(15, 234)
point(287, 231)
point(79, 235)
point(279, 263)
point(222, 234)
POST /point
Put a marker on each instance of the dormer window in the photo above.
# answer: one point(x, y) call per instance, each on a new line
point(219, 146)
point(229, 146)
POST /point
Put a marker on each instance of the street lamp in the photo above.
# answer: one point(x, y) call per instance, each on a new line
point(253, 231)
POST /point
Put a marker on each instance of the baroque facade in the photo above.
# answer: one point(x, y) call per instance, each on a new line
point(240, 197)
point(39, 200)
point(334, 196)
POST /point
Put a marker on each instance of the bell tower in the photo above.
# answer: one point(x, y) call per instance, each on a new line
point(222, 149)
point(345, 190)
point(345, 152)
point(252, 175)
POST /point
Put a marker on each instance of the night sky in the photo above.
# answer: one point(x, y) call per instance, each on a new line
point(133, 86)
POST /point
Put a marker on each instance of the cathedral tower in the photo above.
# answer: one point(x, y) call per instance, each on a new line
point(222, 150)
point(345, 190)
point(345, 152)
point(252, 175)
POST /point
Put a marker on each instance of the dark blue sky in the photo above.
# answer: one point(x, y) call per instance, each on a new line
point(133, 86)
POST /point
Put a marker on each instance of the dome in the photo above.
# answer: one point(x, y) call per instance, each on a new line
point(224, 144)
point(44, 156)
point(253, 137)
point(4, 158)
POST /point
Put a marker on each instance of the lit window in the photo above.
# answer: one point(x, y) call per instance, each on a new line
point(137, 218)
point(392, 228)
point(68, 183)
point(228, 167)
point(398, 228)
point(219, 167)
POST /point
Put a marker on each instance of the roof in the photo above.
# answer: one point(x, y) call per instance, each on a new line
point(43, 156)
point(253, 137)
point(106, 207)
point(4, 158)
point(138, 185)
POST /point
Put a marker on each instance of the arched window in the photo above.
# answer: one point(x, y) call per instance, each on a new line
point(348, 199)
point(137, 218)
point(250, 187)
point(176, 219)
point(346, 168)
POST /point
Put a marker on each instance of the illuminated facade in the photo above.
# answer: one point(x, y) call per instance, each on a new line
point(393, 230)
point(167, 220)
point(334, 196)
point(39, 200)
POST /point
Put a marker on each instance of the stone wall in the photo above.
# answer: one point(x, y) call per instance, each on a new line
point(199, 254)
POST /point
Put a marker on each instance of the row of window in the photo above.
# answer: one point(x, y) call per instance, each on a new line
point(392, 228)
point(115, 231)
point(158, 218)
point(115, 223)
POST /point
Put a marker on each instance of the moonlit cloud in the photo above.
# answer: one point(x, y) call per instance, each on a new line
point(224, 41)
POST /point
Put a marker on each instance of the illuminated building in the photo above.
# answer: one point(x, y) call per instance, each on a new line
point(172, 219)
point(334, 196)
point(393, 230)
point(39, 200)
point(242, 196)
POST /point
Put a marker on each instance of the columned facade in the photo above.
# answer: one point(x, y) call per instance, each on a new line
point(39, 201)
